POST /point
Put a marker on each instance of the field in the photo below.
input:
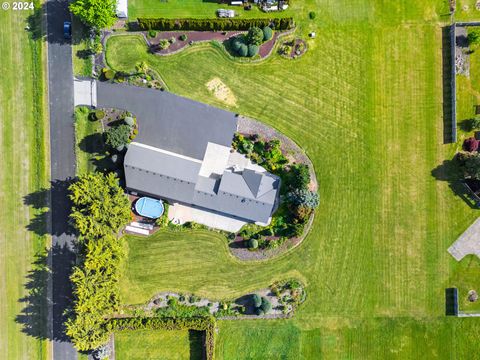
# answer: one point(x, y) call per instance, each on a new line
point(365, 102)
point(157, 345)
point(24, 170)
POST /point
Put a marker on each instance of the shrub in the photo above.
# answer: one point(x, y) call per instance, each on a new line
point(302, 213)
point(254, 36)
point(252, 50)
point(267, 33)
point(236, 44)
point(99, 114)
point(164, 44)
point(109, 74)
point(475, 123)
point(470, 144)
point(259, 311)
point(266, 305)
point(172, 40)
point(469, 163)
point(312, 15)
point(301, 176)
point(193, 299)
point(100, 206)
point(118, 136)
point(114, 158)
point(129, 121)
point(183, 37)
point(257, 300)
point(253, 243)
point(152, 33)
point(473, 37)
point(302, 197)
point(213, 24)
point(243, 50)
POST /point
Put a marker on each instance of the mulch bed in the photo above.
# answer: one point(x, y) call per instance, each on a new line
point(202, 36)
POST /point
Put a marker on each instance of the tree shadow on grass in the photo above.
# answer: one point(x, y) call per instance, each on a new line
point(93, 144)
point(34, 315)
point(450, 172)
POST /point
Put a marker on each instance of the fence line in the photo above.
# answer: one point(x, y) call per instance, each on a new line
point(453, 83)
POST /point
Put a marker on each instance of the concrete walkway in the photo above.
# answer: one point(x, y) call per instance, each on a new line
point(85, 92)
point(468, 243)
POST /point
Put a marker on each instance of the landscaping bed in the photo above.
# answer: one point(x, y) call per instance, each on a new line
point(281, 156)
point(279, 300)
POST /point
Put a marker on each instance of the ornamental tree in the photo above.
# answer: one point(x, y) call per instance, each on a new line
point(99, 204)
point(470, 144)
point(252, 50)
point(267, 33)
point(255, 36)
point(99, 14)
point(304, 197)
point(118, 136)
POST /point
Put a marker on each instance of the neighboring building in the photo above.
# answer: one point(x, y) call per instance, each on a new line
point(225, 13)
point(183, 154)
point(122, 8)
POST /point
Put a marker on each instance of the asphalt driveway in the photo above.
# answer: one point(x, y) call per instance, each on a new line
point(62, 140)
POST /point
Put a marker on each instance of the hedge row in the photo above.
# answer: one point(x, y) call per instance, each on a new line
point(191, 24)
point(206, 324)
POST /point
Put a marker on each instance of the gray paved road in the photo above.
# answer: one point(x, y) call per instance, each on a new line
point(60, 84)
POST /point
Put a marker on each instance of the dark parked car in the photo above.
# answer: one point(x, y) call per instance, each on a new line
point(67, 30)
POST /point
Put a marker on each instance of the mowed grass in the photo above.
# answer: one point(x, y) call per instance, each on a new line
point(365, 102)
point(158, 345)
point(82, 63)
point(89, 141)
point(24, 170)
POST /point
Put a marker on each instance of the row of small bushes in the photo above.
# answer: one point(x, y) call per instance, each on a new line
point(206, 324)
point(191, 24)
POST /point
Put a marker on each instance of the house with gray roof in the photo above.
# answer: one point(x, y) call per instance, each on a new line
point(183, 154)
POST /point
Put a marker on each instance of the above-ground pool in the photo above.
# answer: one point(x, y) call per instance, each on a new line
point(149, 207)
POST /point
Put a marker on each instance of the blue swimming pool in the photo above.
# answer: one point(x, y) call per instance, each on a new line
point(149, 207)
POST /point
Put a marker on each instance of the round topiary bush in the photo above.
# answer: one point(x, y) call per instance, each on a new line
point(129, 121)
point(267, 33)
point(266, 305)
point(236, 44)
point(120, 148)
point(253, 243)
point(471, 144)
point(152, 33)
point(243, 50)
point(257, 300)
point(99, 114)
point(183, 37)
point(252, 50)
point(109, 74)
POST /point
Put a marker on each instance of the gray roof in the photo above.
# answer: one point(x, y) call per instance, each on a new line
point(169, 121)
point(160, 174)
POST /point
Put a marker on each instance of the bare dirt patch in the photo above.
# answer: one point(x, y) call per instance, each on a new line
point(221, 91)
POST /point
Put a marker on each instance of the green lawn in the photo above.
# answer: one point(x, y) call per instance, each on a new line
point(158, 345)
point(89, 141)
point(365, 102)
point(466, 11)
point(82, 63)
point(24, 170)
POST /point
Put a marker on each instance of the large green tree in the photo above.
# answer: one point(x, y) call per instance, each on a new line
point(99, 14)
point(100, 206)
